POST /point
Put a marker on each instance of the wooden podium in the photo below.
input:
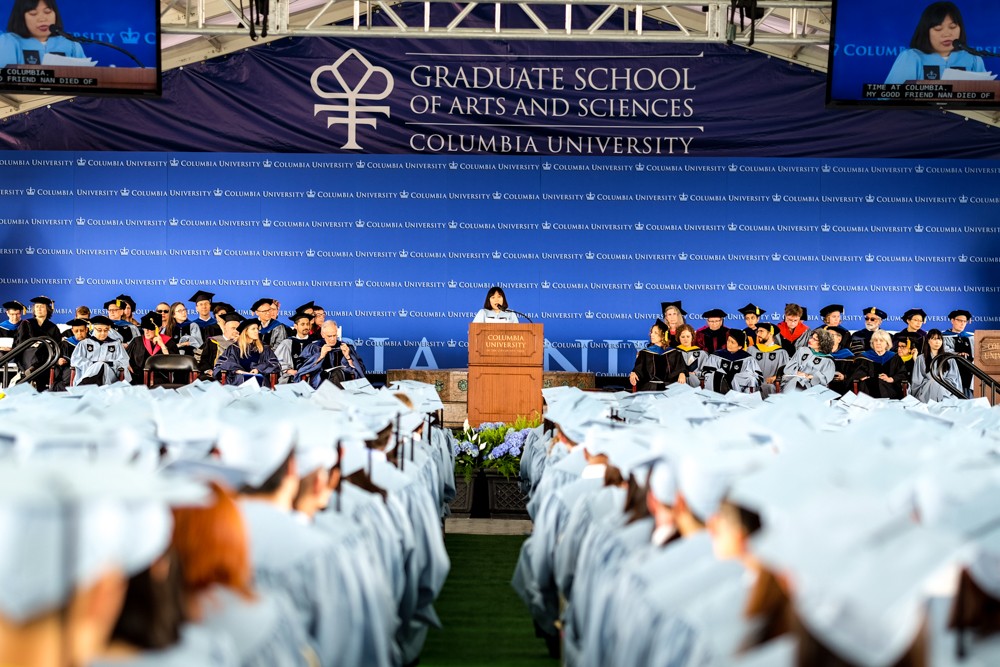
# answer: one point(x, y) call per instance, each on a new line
point(987, 358)
point(505, 371)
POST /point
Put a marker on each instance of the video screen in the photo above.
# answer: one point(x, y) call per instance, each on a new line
point(80, 47)
point(907, 53)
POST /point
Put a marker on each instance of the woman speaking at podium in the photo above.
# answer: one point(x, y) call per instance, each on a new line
point(494, 310)
point(30, 35)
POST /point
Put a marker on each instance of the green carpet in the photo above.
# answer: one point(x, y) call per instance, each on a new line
point(485, 623)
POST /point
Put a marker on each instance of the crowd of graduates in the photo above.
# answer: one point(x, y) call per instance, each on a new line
point(217, 525)
point(763, 358)
point(685, 527)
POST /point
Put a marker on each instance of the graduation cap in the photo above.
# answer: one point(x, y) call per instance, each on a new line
point(676, 304)
point(114, 302)
point(78, 323)
point(125, 298)
point(151, 321)
point(306, 306)
point(261, 302)
point(300, 315)
point(660, 324)
point(249, 322)
point(14, 305)
point(241, 446)
point(751, 309)
point(914, 311)
point(767, 325)
point(663, 482)
point(832, 308)
point(738, 336)
point(44, 300)
point(878, 312)
point(715, 312)
point(101, 319)
point(201, 295)
point(952, 315)
point(232, 316)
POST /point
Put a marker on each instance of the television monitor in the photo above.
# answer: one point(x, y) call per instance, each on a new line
point(873, 61)
point(101, 48)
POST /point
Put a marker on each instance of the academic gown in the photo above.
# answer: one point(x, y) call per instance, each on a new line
point(861, 341)
point(771, 360)
point(29, 328)
point(871, 365)
point(845, 337)
point(289, 353)
point(915, 65)
point(533, 454)
point(67, 346)
point(485, 316)
point(726, 370)
point(197, 646)
point(657, 367)
point(710, 340)
point(959, 343)
point(140, 350)
point(232, 363)
point(694, 357)
point(8, 326)
point(211, 350)
point(274, 333)
point(99, 362)
point(793, 340)
point(126, 330)
point(844, 363)
point(924, 388)
point(209, 327)
point(333, 366)
point(30, 51)
point(819, 366)
point(918, 339)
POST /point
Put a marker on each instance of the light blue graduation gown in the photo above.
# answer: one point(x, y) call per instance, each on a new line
point(924, 388)
point(91, 358)
point(820, 367)
point(909, 65)
point(197, 646)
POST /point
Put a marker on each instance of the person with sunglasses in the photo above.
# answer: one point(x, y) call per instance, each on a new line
point(861, 340)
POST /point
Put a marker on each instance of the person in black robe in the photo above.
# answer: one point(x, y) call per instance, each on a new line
point(39, 326)
point(184, 332)
point(79, 330)
point(751, 315)
point(832, 316)
point(843, 361)
point(248, 359)
point(205, 316)
point(914, 319)
point(330, 359)
point(880, 372)
point(861, 339)
point(673, 316)
point(771, 358)
point(712, 336)
point(959, 341)
point(290, 350)
point(657, 365)
point(124, 329)
point(213, 347)
point(152, 342)
point(15, 311)
point(732, 368)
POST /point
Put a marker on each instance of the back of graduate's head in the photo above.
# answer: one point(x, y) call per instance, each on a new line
point(731, 529)
point(934, 15)
point(381, 440)
point(974, 608)
point(283, 476)
point(212, 546)
point(153, 612)
point(635, 499)
point(17, 23)
point(812, 652)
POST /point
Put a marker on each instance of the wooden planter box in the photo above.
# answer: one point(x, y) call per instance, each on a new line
point(505, 498)
point(461, 506)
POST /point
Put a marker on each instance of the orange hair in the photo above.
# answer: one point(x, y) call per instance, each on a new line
point(212, 545)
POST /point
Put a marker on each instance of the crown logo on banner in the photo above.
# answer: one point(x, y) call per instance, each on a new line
point(403, 313)
point(589, 255)
point(123, 251)
point(174, 162)
point(29, 250)
point(360, 164)
point(266, 222)
point(825, 169)
point(452, 342)
point(452, 224)
point(775, 315)
point(825, 287)
point(81, 162)
point(173, 282)
point(919, 169)
point(870, 199)
point(130, 36)
point(311, 194)
point(776, 197)
point(639, 226)
point(497, 195)
point(266, 282)
point(682, 256)
point(963, 199)
point(30, 191)
point(733, 167)
point(640, 167)
point(733, 227)
point(217, 192)
point(869, 257)
point(310, 253)
point(638, 284)
point(174, 222)
point(80, 280)
point(589, 314)
point(825, 227)
point(359, 223)
point(918, 227)
point(918, 288)
point(452, 283)
point(217, 252)
point(775, 256)
point(546, 225)
point(453, 165)
point(546, 284)
point(546, 166)
point(404, 254)
point(359, 283)
point(124, 192)
point(81, 221)
point(731, 286)
point(403, 194)
point(590, 196)
point(682, 197)
point(497, 254)
point(963, 258)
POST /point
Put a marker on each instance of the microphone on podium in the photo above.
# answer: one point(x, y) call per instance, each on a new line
point(518, 313)
point(56, 31)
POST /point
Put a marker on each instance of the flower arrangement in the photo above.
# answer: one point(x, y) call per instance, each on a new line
point(492, 446)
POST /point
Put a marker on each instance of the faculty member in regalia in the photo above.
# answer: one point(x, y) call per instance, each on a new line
point(657, 365)
point(732, 368)
point(812, 365)
point(151, 343)
point(100, 360)
point(40, 325)
point(331, 359)
point(959, 341)
point(879, 371)
point(248, 358)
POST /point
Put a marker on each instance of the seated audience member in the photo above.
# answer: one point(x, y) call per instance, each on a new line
point(163, 310)
point(843, 361)
point(959, 341)
point(248, 358)
point(712, 336)
point(657, 365)
point(861, 339)
point(751, 315)
point(289, 351)
point(792, 329)
point(100, 359)
point(914, 319)
point(15, 311)
point(82, 313)
point(122, 329)
point(40, 325)
point(183, 331)
point(732, 368)
point(832, 316)
point(128, 309)
point(152, 342)
point(319, 317)
point(693, 355)
point(272, 332)
point(924, 388)
point(673, 315)
point(78, 330)
point(811, 366)
point(770, 357)
point(331, 359)
point(879, 371)
point(906, 349)
point(204, 317)
point(216, 345)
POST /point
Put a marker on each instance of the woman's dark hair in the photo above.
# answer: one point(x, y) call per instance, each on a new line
point(635, 500)
point(933, 333)
point(613, 476)
point(48, 311)
point(770, 605)
point(16, 23)
point(812, 652)
point(496, 289)
point(170, 327)
point(934, 15)
point(153, 611)
point(974, 609)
